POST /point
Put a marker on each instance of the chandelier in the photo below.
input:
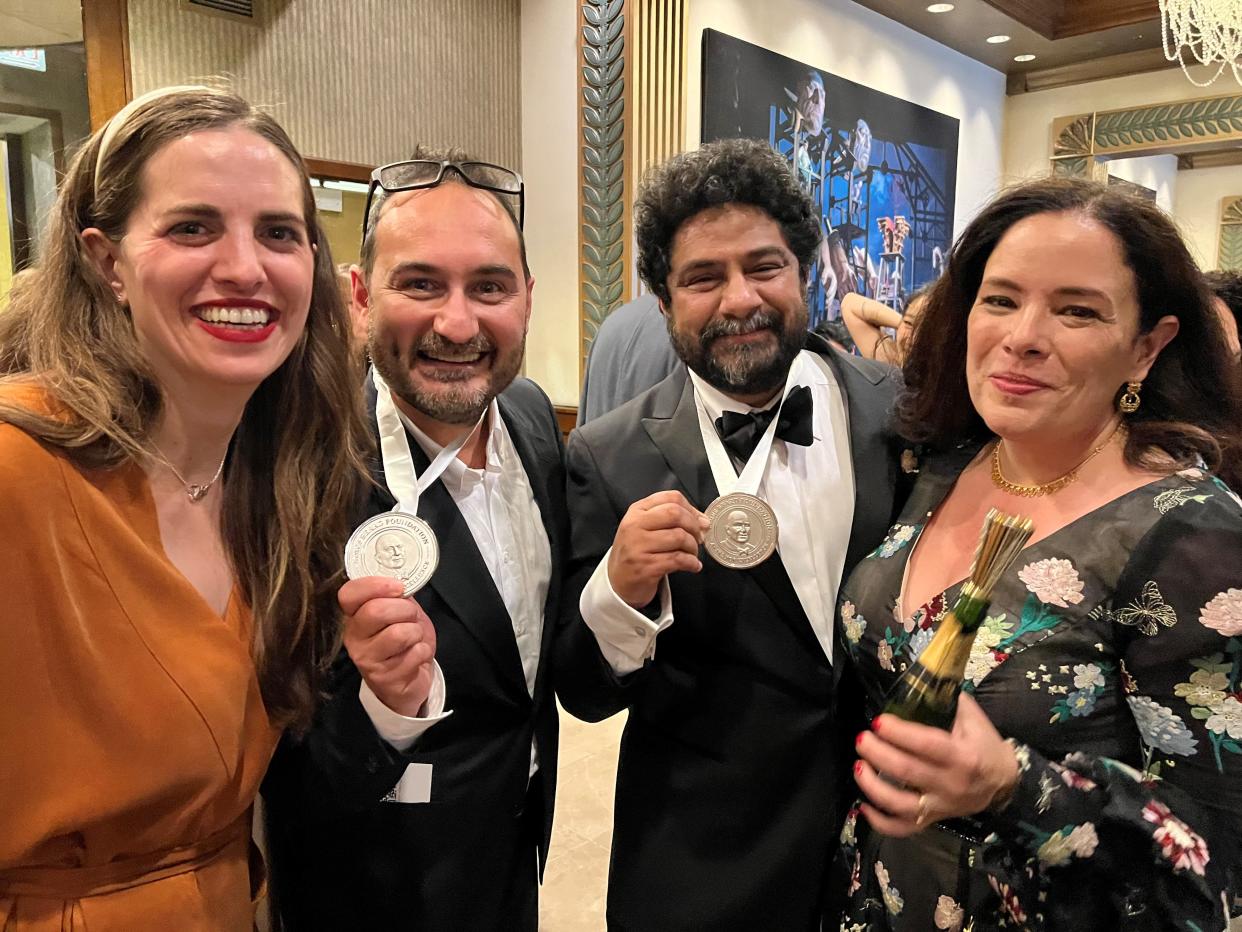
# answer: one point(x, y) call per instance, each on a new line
point(1208, 32)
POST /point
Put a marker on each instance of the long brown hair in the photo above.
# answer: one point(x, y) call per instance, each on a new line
point(1192, 397)
point(296, 460)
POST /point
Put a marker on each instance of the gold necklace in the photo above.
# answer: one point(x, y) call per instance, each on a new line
point(1045, 488)
point(194, 490)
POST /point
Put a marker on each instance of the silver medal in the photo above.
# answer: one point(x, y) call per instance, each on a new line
point(743, 530)
point(393, 544)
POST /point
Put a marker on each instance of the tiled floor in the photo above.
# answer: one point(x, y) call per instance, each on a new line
point(572, 898)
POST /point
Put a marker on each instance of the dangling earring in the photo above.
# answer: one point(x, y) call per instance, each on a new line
point(1130, 401)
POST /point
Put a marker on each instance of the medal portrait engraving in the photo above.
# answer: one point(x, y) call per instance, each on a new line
point(394, 544)
point(743, 530)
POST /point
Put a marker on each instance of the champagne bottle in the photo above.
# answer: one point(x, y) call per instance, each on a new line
point(927, 692)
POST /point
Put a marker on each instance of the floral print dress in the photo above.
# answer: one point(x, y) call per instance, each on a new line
point(1112, 656)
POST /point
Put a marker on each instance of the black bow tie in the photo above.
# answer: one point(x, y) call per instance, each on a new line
point(741, 432)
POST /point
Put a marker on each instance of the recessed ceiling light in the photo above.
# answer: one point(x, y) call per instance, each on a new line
point(940, 8)
point(997, 40)
point(1024, 58)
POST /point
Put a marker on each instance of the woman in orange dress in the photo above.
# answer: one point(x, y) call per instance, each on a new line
point(178, 452)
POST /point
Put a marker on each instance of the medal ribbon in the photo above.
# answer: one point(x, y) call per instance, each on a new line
point(403, 479)
point(727, 479)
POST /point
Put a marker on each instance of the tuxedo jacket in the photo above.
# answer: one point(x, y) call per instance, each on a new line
point(341, 857)
point(733, 763)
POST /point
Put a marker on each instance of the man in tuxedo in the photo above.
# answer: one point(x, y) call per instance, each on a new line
point(733, 769)
point(422, 796)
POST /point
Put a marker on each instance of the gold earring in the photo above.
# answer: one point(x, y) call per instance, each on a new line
point(1130, 401)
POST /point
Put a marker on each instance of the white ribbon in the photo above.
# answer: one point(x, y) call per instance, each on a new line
point(403, 479)
point(748, 481)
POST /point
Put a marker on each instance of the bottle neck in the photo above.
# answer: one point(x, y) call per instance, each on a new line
point(970, 608)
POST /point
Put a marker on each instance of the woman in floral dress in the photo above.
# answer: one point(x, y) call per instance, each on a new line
point(1067, 367)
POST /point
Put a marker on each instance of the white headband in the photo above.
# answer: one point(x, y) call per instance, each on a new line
point(122, 116)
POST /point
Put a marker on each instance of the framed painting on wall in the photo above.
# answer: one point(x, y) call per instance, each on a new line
point(882, 171)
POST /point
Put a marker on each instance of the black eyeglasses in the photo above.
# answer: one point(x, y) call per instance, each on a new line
point(427, 173)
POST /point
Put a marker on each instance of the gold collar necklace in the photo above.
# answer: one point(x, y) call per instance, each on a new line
point(1046, 488)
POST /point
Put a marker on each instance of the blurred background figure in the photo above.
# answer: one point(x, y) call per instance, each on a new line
point(869, 323)
point(1227, 300)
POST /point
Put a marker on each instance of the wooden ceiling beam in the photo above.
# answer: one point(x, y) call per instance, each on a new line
point(1041, 16)
point(1085, 16)
point(1060, 19)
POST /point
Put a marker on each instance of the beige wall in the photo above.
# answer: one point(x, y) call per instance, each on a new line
point(550, 170)
point(1197, 207)
point(1155, 172)
point(354, 80)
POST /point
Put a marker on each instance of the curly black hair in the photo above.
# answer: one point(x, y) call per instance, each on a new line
point(728, 171)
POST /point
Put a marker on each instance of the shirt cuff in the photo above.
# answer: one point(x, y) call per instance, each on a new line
point(401, 731)
point(625, 635)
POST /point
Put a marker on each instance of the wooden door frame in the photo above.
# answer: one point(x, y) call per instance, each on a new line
point(105, 33)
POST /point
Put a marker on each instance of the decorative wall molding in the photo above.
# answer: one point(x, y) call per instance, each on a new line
point(603, 242)
point(1080, 142)
point(1229, 251)
point(632, 115)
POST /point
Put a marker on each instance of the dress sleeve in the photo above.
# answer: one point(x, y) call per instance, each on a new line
point(1161, 839)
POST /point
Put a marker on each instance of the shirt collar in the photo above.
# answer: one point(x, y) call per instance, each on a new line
point(457, 474)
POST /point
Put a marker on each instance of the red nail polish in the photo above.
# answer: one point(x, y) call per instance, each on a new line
point(858, 768)
point(858, 740)
point(875, 725)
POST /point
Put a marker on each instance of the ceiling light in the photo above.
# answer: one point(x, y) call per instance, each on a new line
point(997, 40)
point(1024, 58)
point(940, 8)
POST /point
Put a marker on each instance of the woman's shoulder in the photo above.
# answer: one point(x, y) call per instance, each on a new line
point(25, 462)
point(1193, 496)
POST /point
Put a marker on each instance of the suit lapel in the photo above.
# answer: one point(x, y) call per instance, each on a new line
point(462, 579)
point(674, 429)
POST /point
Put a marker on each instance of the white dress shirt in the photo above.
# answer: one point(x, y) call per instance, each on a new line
point(811, 490)
point(499, 507)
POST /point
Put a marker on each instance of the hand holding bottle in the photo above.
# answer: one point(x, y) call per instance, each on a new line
point(942, 774)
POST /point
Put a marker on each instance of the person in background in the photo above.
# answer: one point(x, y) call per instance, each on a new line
point(1067, 367)
point(868, 321)
point(630, 353)
point(1226, 288)
point(180, 446)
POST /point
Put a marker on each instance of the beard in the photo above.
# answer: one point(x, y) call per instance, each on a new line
point(746, 369)
point(447, 398)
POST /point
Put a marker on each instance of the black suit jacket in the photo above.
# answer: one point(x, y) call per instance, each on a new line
point(733, 759)
point(342, 859)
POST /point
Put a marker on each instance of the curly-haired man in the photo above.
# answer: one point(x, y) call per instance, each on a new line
point(734, 761)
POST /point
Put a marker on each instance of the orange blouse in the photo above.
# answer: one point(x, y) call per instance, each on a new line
point(132, 732)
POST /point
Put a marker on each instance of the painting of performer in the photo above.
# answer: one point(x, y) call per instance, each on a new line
point(883, 171)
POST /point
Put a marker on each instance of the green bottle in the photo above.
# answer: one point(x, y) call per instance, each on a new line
point(927, 692)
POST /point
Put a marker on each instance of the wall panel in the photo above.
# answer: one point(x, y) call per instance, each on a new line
point(354, 80)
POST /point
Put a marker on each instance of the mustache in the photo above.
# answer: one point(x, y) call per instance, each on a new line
point(734, 326)
point(434, 344)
